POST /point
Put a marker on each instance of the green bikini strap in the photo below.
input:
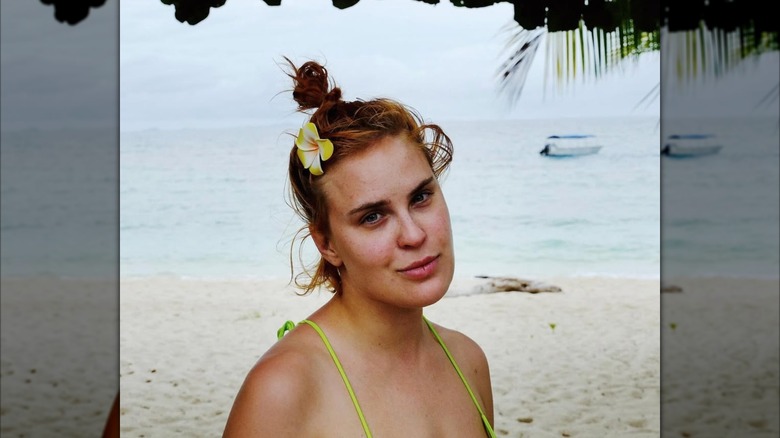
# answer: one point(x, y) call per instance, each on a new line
point(485, 421)
point(289, 325)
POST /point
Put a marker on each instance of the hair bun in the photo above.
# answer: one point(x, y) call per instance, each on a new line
point(311, 86)
point(334, 95)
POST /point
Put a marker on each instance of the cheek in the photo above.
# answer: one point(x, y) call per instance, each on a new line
point(442, 222)
point(369, 250)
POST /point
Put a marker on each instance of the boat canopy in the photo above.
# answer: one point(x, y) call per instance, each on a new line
point(571, 136)
point(690, 136)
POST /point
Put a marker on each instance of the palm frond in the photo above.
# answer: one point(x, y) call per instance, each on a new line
point(650, 97)
point(513, 72)
point(581, 53)
point(770, 97)
point(708, 53)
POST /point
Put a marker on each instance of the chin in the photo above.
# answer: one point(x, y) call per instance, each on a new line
point(431, 291)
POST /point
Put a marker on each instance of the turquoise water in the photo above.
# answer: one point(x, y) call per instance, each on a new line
point(721, 213)
point(59, 203)
point(211, 203)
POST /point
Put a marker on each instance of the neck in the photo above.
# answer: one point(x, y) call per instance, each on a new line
point(377, 326)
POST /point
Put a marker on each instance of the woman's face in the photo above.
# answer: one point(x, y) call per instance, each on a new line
point(390, 233)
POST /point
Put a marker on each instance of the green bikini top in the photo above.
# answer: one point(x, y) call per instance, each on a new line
point(289, 325)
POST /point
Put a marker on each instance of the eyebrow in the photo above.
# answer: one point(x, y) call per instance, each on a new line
point(383, 203)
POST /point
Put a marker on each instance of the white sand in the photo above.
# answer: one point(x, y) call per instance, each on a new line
point(187, 345)
point(59, 356)
point(720, 358)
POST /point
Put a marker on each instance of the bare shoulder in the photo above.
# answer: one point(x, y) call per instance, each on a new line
point(281, 384)
point(465, 349)
point(473, 363)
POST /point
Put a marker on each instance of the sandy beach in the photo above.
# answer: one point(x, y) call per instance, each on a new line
point(720, 340)
point(584, 361)
point(186, 346)
point(59, 360)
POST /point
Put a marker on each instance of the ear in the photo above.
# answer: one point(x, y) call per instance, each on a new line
point(325, 247)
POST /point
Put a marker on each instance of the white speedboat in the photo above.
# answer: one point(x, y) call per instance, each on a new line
point(691, 145)
point(570, 146)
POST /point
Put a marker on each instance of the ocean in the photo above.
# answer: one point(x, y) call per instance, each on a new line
point(721, 213)
point(211, 203)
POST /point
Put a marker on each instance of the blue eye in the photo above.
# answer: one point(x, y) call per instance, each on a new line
point(421, 197)
point(371, 218)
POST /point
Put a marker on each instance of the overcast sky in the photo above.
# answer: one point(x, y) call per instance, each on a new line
point(56, 75)
point(223, 71)
point(438, 59)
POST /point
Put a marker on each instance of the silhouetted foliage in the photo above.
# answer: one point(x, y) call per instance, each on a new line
point(556, 15)
point(595, 34)
point(194, 11)
point(72, 11)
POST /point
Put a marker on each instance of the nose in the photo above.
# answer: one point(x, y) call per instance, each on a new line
point(410, 234)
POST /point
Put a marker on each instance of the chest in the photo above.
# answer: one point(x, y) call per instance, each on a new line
point(429, 402)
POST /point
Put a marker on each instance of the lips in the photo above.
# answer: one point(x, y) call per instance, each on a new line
point(420, 269)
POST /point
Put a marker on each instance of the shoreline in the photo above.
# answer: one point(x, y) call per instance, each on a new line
point(458, 280)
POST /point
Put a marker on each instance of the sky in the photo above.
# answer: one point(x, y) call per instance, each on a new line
point(56, 75)
point(439, 59)
point(225, 71)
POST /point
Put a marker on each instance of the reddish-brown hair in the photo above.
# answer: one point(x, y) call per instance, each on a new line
point(351, 127)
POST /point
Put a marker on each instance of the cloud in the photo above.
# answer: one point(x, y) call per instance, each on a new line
point(439, 59)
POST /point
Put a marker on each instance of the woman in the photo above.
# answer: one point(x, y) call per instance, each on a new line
point(364, 178)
